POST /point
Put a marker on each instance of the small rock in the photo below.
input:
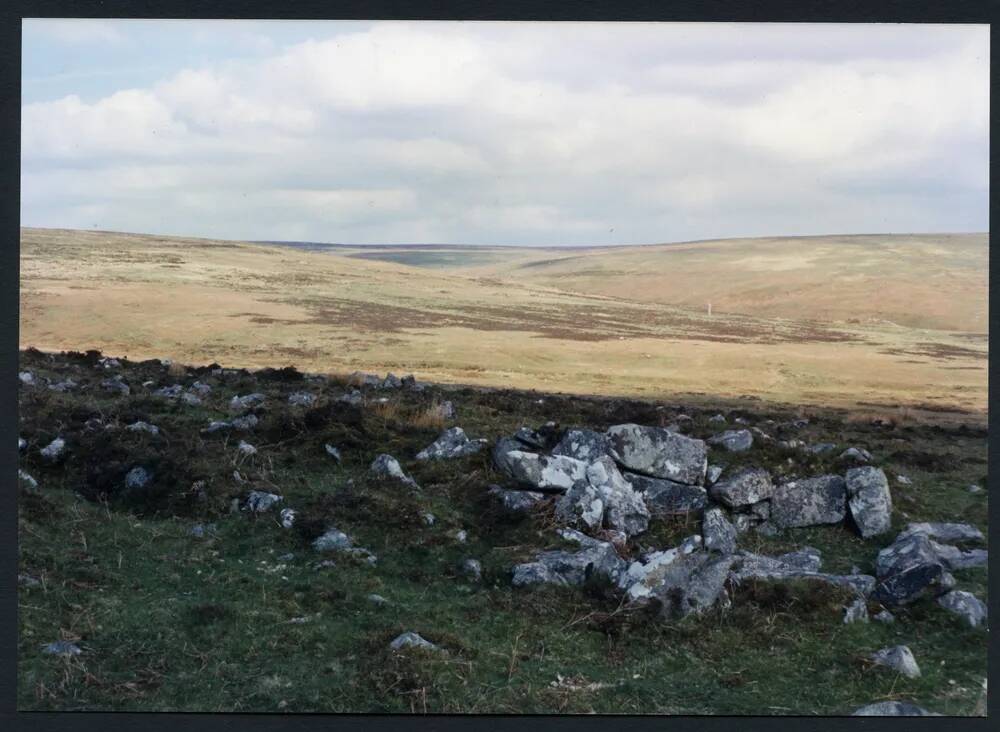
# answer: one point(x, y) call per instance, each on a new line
point(544, 472)
point(286, 557)
point(899, 658)
point(581, 505)
point(447, 410)
point(718, 534)
point(869, 500)
point(377, 600)
point(388, 466)
point(821, 447)
point(515, 501)
point(137, 478)
point(333, 452)
point(857, 454)
point(54, 451)
point(246, 449)
point(63, 386)
point(944, 531)
point(452, 443)
point(429, 519)
point(856, 612)
point(245, 423)
point(461, 536)
point(116, 386)
point(243, 403)
point(169, 392)
point(332, 540)
point(200, 531)
point(472, 569)
point(749, 485)
point(261, 501)
point(200, 389)
point(62, 648)
point(217, 426)
point(22, 444)
point(302, 399)
point(717, 419)
point(412, 640)
point(910, 568)
point(287, 516)
point(892, 709)
point(713, 473)
point(26, 580)
point(191, 400)
point(903, 480)
point(733, 440)
point(27, 378)
point(143, 427)
point(965, 605)
point(27, 482)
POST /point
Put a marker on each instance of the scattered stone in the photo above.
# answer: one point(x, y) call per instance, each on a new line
point(869, 500)
point(884, 616)
point(515, 501)
point(388, 466)
point(169, 392)
point(377, 600)
point(944, 531)
point(809, 502)
point(585, 445)
point(856, 612)
point(898, 658)
point(472, 569)
point(287, 516)
point(54, 451)
point(954, 558)
point(964, 604)
point(332, 540)
point(641, 576)
point(62, 648)
point(353, 397)
point(246, 449)
point(428, 519)
point(447, 410)
point(571, 568)
point(27, 378)
point(624, 509)
point(713, 473)
point(333, 452)
point(260, 501)
point(892, 709)
point(391, 381)
point(22, 444)
point(302, 399)
point(659, 453)
point(200, 389)
point(717, 419)
point(461, 536)
point(452, 443)
point(665, 497)
point(857, 454)
point(191, 400)
point(908, 569)
point(243, 403)
point(581, 505)
point(544, 472)
point(200, 531)
point(973, 488)
point(143, 427)
point(733, 440)
point(412, 640)
point(63, 386)
point(903, 480)
point(501, 450)
point(137, 478)
point(801, 565)
point(26, 580)
point(821, 447)
point(245, 423)
point(718, 534)
point(749, 485)
point(27, 482)
point(217, 426)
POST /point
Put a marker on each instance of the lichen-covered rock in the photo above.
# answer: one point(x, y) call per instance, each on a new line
point(733, 440)
point(245, 423)
point(137, 478)
point(387, 466)
point(908, 569)
point(747, 486)
point(332, 540)
point(856, 612)
point(717, 532)
point(261, 501)
point(856, 454)
point(301, 399)
point(412, 640)
point(471, 569)
point(692, 584)
point(641, 576)
point(944, 531)
point(585, 445)
point(243, 403)
point(453, 443)
point(666, 497)
point(543, 472)
point(581, 505)
point(624, 509)
point(966, 605)
point(954, 558)
point(898, 658)
point(595, 558)
point(333, 452)
point(796, 566)
point(892, 709)
point(869, 500)
point(713, 473)
point(54, 451)
point(809, 502)
point(501, 450)
point(515, 501)
point(659, 453)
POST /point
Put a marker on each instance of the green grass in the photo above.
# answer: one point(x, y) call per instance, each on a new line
point(171, 622)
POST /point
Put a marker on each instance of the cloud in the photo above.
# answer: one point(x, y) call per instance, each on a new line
point(533, 134)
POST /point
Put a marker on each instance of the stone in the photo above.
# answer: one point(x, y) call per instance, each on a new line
point(713, 473)
point(245, 423)
point(412, 640)
point(666, 498)
point(200, 389)
point(595, 558)
point(377, 600)
point(391, 381)
point(624, 509)
point(581, 505)
point(909, 569)
point(717, 533)
point(658, 453)
point(428, 518)
point(217, 426)
point(409, 381)
point(821, 447)
point(169, 392)
point(363, 379)
point(452, 443)
point(261, 501)
point(26, 580)
point(869, 500)
point(884, 616)
point(22, 444)
point(802, 565)
point(641, 576)
point(547, 473)
point(747, 486)
point(530, 438)
point(973, 488)
point(63, 386)
point(733, 440)
point(302, 399)
point(116, 386)
point(62, 648)
point(585, 445)
point(191, 400)
point(809, 502)
point(717, 419)
point(353, 397)
point(243, 403)
point(892, 709)
point(246, 449)
point(966, 605)
point(955, 558)
point(515, 502)
point(287, 517)
point(503, 447)
point(447, 410)
point(332, 540)
point(944, 531)
point(461, 536)
point(137, 478)
point(472, 569)
point(27, 378)
point(898, 658)
point(903, 480)
point(333, 452)
point(856, 612)
point(54, 451)
point(692, 584)
point(857, 454)
point(200, 531)
point(387, 466)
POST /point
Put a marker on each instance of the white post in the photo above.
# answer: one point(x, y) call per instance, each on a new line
point(710, 308)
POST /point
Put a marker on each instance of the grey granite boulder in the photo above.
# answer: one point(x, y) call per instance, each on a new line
point(582, 505)
point(747, 486)
point(717, 532)
point(809, 502)
point(54, 452)
point(693, 584)
point(515, 502)
point(954, 558)
point(595, 558)
point(387, 466)
point(503, 447)
point(892, 709)
point(261, 501)
point(944, 531)
point(966, 605)
point(243, 403)
point(659, 453)
point(665, 497)
point(713, 473)
point(796, 566)
point(856, 612)
point(869, 500)
point(412, 640)
point(302, 399)
point(555, 473)
point(733, 440)
point(909, 569)
point(453, 443)
point(624, 508)
point(898, 658)
point(137, 478)
point(586, 445)
point(856, 454)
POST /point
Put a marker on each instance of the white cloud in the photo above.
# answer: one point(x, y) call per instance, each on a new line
point(514, 133)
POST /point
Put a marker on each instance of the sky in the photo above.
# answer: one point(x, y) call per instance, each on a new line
point(540, 134)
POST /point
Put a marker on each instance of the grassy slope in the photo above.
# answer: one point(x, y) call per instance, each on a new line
point(254, 305)
point(170, 622)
